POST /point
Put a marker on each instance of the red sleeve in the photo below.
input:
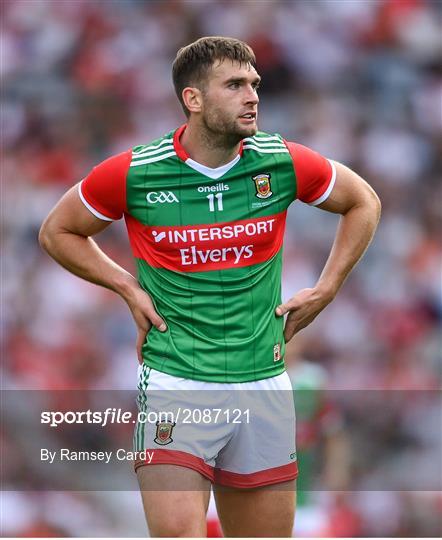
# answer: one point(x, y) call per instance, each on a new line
point(315, 175)
point(103, 191)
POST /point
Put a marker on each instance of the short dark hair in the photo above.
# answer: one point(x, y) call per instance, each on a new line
point(193, 62)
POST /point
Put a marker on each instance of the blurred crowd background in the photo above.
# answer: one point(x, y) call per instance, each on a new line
point(358, 81)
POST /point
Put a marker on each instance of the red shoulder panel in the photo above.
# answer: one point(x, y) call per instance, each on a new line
point(314, 173)
point(104, 188)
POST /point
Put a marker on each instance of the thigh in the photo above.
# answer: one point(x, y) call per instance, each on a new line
point(263, 512)
point(262, 449)
point(175, 425)
point(171, 512)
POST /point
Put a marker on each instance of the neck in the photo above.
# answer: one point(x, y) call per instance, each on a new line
point(210, 149)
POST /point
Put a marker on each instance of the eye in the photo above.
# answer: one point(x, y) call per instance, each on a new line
point(234, 85)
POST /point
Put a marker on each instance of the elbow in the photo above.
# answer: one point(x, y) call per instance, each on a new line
point(373, 203)
point(377, 206)
point(44, 237)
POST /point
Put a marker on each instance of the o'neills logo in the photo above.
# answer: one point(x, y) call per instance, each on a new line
point(209, 189)
point(199, 248)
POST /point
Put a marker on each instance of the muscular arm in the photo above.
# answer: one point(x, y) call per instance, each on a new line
point(360, 210)
point(66, 236)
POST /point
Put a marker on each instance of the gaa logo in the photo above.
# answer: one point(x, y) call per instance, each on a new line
point(161, 197)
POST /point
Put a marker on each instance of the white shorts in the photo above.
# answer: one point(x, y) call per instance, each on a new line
point(235, 434)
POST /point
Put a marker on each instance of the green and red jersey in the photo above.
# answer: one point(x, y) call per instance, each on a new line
point(208, 247)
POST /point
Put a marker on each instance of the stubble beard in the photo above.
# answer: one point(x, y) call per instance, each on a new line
point(224, 131)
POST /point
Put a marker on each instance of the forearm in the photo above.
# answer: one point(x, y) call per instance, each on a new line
point(360, 211)
point(354, 234)
point(81, 256)
point(66, 234)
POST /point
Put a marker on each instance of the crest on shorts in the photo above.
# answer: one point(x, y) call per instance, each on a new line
point(164, 432)
point(263, 186)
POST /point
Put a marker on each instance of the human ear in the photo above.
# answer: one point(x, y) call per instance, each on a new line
point(192, 98)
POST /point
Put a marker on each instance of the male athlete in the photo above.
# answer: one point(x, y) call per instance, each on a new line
point(205, 210)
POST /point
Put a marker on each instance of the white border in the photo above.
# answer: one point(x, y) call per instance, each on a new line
point(96, 213)
point(327, 192)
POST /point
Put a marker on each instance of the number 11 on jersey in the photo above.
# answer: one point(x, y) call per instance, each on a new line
point(219, 200)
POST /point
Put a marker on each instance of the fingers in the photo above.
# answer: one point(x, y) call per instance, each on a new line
point(295, 323)
point(150, 312)
point(292, 305)
point(141, 338)
point(282, 309)
point(145, 317)
point(302, 309)
point(144, 322)
point(143, 310)
point(291, 327)
point(291, 323)
point(158, 322)
point(290, 330)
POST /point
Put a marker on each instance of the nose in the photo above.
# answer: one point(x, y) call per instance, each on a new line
point(252, 96)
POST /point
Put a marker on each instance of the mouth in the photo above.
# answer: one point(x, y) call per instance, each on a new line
point(250, 116)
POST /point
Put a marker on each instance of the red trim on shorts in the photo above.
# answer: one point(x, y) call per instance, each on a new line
point(177, 457)
point(267, 477)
